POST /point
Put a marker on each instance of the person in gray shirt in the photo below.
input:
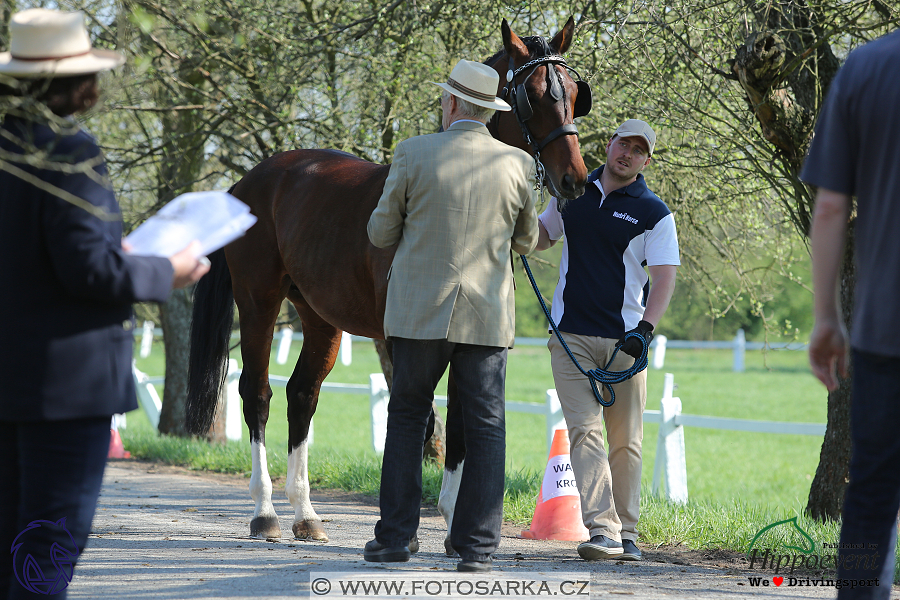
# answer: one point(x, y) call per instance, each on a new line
point(855, 152)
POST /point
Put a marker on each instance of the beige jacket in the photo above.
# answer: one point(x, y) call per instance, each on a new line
point(457, 202)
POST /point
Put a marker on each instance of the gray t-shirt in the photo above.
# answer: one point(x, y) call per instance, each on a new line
point(856, 151)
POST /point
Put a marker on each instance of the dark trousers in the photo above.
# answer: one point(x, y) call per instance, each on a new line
point(869, 529)
point(480, 376)
point(51, 472)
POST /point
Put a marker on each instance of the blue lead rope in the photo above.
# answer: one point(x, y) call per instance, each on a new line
point(595, 376)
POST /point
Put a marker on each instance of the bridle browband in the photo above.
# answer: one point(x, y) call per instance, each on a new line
point(516, 102)
point(521, 107)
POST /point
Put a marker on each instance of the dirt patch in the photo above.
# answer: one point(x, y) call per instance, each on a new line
point(680, 556)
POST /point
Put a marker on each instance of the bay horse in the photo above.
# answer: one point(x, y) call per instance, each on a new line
point(310, 246)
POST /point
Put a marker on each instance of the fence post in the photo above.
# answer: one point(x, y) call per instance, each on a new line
point(147, 396)
point(670, 467)
point(233, 416)
point(346, 349)
point(659, 351)
point(555, 418)
point(284, 345)
point(146, 339)
point(740, 345)
point(378, 399)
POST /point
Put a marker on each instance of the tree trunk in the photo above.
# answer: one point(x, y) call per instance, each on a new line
point(786, 115)
point(826, 494)
point(175, 317)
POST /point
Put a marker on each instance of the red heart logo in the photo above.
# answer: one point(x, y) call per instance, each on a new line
point(778, 580)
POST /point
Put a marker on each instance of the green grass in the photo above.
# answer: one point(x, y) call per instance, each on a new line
point(765, 469)
point(737, 482)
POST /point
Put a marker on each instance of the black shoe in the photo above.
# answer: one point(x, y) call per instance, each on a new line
point(630, 551)
point(475, 566)
point(375, 552)
point(413, 544)
point(599, 546)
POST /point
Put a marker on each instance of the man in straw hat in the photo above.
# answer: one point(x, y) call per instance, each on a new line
point(456, 202)
point(615, 229)
point(66, 288)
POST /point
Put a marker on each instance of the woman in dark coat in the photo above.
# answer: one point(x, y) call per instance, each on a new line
point(66, 289)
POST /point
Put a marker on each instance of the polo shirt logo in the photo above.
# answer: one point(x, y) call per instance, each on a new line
point(625, 216)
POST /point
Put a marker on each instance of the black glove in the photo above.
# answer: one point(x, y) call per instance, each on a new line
point(632, 346)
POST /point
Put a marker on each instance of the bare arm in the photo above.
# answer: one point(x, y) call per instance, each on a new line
point(662, 278)
point(828, 344)
point(544, 240)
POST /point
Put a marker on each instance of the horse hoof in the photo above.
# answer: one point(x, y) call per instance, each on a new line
point(310, 530)
point(448, 549)
point(265, 528)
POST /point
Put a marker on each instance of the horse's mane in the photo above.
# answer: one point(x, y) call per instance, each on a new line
point(537, 46)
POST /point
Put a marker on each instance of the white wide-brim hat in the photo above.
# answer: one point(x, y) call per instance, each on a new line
point(49, 42)
point(476, 83)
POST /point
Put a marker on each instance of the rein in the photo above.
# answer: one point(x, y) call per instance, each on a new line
point(602, 376)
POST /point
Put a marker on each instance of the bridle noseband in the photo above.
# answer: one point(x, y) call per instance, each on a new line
point(521, 107)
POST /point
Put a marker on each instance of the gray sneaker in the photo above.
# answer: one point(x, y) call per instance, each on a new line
point(598, 547)
point(630, 551)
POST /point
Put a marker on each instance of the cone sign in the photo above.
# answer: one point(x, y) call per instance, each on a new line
point(559, 480)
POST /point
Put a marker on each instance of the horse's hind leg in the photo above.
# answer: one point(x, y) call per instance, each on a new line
point(258, 314)
point(321, 342)
point(453, 464)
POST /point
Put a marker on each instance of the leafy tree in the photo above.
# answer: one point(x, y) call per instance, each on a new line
point(736, 87)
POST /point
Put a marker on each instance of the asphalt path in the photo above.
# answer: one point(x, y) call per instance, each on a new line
point(168, 533)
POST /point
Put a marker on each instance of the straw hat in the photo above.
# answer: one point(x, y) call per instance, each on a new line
point(49, 42)
point(476, 83)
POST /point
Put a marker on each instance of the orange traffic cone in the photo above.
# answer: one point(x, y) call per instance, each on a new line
point(557, 515)
point(116, 448)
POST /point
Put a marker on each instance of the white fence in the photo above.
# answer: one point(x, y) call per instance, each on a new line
point(739, 345)
point(670, 468)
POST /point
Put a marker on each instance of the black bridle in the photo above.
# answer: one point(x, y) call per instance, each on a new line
point(521, 107)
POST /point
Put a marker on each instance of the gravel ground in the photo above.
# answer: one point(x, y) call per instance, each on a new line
point(168, 533)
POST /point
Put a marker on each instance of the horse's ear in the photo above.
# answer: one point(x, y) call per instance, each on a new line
point(512, 43)
point(561, 42)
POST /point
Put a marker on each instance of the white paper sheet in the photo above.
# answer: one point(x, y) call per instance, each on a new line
point(213, 218)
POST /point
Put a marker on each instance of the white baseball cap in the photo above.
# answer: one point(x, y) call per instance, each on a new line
point(637, 128)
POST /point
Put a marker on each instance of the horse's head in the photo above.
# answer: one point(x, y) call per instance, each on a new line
point(545, 101)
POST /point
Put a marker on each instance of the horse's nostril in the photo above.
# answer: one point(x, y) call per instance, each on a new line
point(568, 183)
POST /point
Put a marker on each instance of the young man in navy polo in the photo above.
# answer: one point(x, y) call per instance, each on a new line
point(611, 233)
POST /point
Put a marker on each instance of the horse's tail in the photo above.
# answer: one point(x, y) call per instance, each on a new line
point(210, 336)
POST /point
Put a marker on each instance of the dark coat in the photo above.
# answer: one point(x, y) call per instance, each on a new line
point(66, 288)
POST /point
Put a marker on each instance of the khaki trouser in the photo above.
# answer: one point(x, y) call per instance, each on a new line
point(609, 485)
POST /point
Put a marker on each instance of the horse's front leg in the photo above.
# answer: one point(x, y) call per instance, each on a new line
point(321, 343)
point(453, 464)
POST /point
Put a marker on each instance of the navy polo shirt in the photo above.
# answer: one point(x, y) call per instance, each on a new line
point(609, 239)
